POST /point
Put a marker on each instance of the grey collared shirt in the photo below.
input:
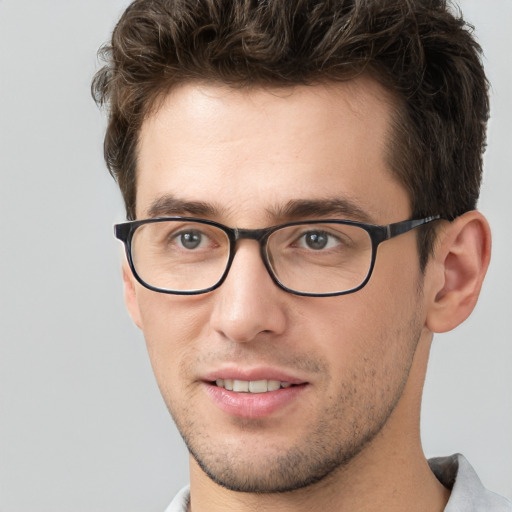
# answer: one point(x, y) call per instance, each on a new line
point(454, 472)
point(468, 493)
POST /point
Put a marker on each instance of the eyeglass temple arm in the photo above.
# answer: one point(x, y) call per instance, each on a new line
point(399, 228)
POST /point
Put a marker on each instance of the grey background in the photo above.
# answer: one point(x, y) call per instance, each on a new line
point(82, 425)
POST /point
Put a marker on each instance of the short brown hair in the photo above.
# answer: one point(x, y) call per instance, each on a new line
point(422, 51)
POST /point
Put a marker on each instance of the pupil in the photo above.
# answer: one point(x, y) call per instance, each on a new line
point(316, 240)
point(190, 240)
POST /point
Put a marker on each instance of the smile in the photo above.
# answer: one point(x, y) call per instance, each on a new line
point(251, 386)
point(257, 398)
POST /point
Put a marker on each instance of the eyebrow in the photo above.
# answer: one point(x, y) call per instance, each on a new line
point(334, 207)
point(296, 209)
point(170, 205)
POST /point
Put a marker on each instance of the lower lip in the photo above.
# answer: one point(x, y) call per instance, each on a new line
point(253, 405)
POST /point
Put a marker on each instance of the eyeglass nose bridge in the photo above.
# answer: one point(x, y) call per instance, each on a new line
point(259, 235)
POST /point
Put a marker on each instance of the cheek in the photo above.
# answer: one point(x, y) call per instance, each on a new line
point(171, 324)
point(373, 332)
point(393, 320)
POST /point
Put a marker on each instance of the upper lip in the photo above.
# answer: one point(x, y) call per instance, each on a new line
point(252, 374)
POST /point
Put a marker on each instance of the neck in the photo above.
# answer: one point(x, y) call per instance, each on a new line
point(390, 474)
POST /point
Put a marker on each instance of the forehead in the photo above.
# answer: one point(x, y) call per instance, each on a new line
point(243, 150)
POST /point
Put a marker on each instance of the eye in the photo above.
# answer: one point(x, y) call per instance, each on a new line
point(191, 239)
point(317, 240)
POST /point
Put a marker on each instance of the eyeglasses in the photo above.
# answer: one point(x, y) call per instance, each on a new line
point(317, 258)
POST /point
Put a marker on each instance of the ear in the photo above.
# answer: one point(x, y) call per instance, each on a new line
point(130, 295)
point(457, 271)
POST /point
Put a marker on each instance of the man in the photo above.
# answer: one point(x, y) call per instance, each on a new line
point(301, 181)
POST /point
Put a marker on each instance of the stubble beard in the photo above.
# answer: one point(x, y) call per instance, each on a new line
point(300, 466)
point(319, 454)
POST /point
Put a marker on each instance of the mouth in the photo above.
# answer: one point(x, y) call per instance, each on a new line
point(252, 386)
point(254, 397)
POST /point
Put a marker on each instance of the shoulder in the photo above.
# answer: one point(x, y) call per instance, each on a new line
point(468, 493)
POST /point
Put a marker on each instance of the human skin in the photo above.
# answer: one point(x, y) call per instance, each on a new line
point(347, 437)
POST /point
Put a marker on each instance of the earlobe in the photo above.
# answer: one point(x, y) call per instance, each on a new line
point(130, 296)
point(457, 271)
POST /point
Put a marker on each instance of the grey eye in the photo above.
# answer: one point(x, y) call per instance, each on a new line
point(191, 239)
point(316, 240)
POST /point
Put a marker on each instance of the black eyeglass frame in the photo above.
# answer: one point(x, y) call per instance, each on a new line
point(378, 234)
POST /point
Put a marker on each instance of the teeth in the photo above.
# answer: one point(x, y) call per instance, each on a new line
point(274, 385)
point(258, 386)
point(251, 386)
point(241, 386)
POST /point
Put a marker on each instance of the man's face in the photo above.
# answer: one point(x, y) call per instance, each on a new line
point(244, 158)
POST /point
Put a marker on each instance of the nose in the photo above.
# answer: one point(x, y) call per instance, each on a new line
point(248, 302)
